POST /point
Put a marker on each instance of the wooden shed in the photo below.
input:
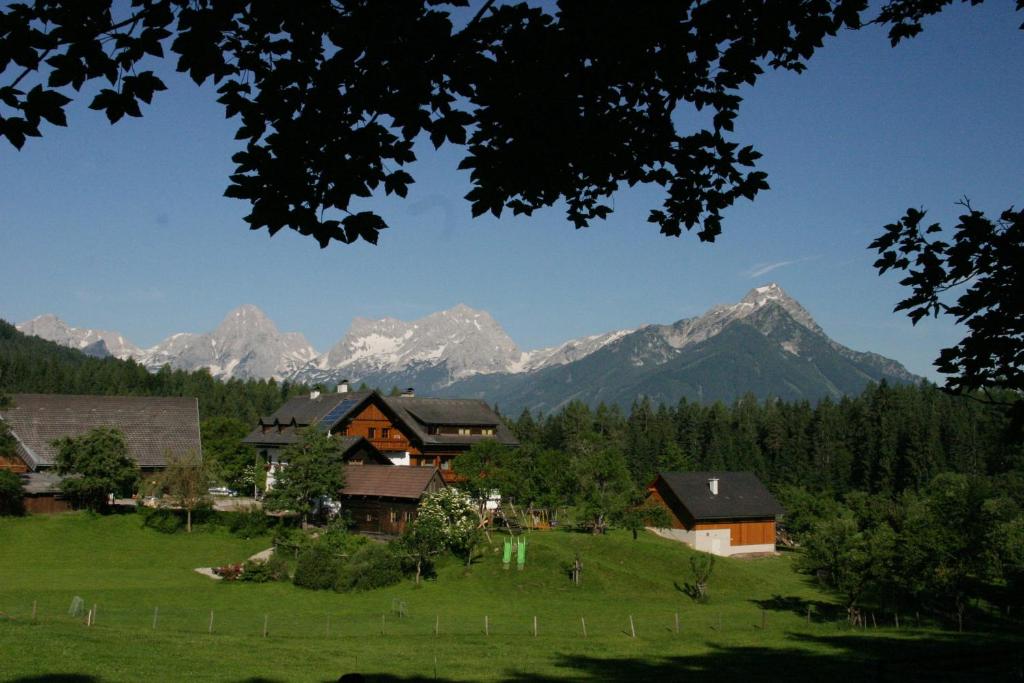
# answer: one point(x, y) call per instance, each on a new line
point(724, 513)
point(383, 499)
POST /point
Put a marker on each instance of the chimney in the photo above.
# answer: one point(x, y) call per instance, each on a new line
point(343, 386)
point(314, 395)
point(713, 485)
point(409, 393)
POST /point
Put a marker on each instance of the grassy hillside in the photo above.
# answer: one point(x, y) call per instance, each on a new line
point(128, 571)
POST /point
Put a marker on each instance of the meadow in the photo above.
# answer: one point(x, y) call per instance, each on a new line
point(157, 619)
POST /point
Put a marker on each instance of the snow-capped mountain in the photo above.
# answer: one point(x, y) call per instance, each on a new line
point(766, 343)
point(93, 342)
point(246, 344)
point(440, 348)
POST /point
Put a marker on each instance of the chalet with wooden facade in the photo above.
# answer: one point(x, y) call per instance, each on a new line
point(384, 500)
point(407, 430)
point(154, 428)
point(355, 450)
point(723, 513)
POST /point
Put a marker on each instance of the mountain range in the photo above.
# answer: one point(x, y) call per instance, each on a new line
point(766, 344)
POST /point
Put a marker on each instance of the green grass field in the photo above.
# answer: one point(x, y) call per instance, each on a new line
point(755, 625)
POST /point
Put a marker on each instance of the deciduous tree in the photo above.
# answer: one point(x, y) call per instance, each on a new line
point(96, 465)
point(185, 481)
point(314, 471)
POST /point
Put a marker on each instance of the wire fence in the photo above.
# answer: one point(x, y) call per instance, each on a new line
point(397, 619)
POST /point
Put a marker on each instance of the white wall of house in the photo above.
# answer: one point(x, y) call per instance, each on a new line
point(398, 458)
point(714, 541)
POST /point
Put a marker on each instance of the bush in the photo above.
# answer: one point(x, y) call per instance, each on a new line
point(317, 567)
point(249, 523)
point(274, 569)
point(375, 565)
point(11, 494)
point(162, 520)
point(291, 541)
point(337, 537)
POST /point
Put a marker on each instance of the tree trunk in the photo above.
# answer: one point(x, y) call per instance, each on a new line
point(188, 520)
point(419, 567)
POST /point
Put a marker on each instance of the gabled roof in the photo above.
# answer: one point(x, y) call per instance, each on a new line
point(379, 481)
point(420, 413)
point(153, 426)
point(302, 411)
point(741, 495)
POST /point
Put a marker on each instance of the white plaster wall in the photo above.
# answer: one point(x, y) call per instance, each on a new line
point(704, 540)
point(399, 458)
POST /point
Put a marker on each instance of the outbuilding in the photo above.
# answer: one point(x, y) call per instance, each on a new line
point(723, 513)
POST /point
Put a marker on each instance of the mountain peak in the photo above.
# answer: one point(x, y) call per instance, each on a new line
point(773, 293)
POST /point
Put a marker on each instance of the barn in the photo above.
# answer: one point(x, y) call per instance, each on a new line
point(723, 513)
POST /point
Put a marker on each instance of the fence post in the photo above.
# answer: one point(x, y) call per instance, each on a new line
point(535, 626)
point(266, 617)
point(156, 615)
point(210, 627)
point(487, 626)
point(437, 624)
point(583, 623)
point(632, 629)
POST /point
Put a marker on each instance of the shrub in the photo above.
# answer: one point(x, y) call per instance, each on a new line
point(274, 569)
point(11, 494)
point(162, 520)
point(291, 541)
point(317, 567)
point(375, 565)
point(249, 523)
point(337, 537)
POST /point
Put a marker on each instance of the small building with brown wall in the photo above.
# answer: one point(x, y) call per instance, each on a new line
point(385, 499)
point(723, 513)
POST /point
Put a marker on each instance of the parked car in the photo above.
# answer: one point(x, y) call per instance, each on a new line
point(221, 491)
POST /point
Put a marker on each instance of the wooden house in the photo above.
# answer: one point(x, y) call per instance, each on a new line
point(724, 513)
point(384, 500)
point(407, 430)
point(154, 428)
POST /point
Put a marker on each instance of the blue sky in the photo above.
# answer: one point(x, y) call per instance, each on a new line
point(124, 227)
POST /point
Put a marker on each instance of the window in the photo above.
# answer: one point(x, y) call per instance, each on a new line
point(445, 463)
point(371, 433)
point(426, 462)
point(385, 433)
point(407, 515)
point(393, 516)
point(488, 431)
point(369, 517)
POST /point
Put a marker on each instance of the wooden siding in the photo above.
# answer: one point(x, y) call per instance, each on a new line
point(746, 532)
point(46, 504)
point(380, 516)
point(13, 463)
point(655, 495)
point(372, 417)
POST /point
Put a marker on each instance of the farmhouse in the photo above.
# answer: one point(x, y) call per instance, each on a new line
point(355, 450)
point(154, 428)
point(407, 430)
point(385, 499)
point(724, 513)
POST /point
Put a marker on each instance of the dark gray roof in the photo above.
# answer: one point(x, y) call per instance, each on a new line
point(302, 411)
point(741, 495)
point(153, 426)
point(419, 413)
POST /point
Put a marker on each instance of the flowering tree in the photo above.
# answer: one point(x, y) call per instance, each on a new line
point(449, 518)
